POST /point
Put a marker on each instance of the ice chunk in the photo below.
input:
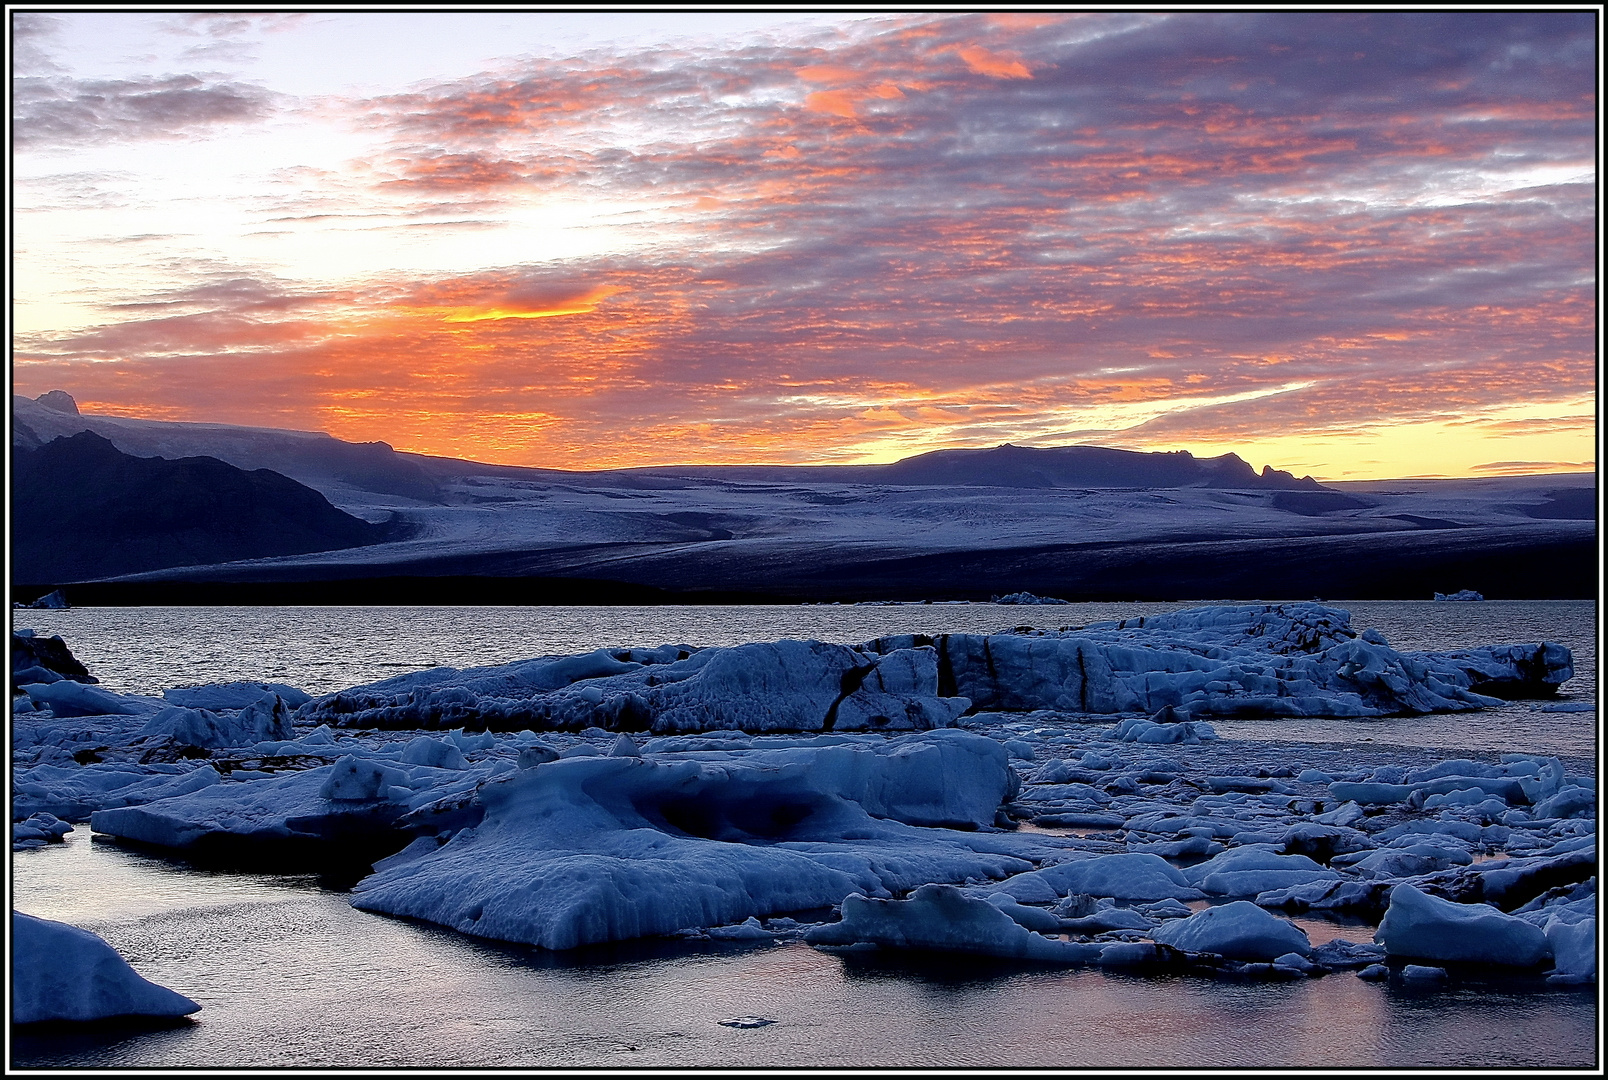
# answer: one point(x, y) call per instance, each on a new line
point(1423, 973)
point(286, 813)
point(1429, 928)
point(1128, 876)
point(1138, 729)
point(1239, 930)
point(1032, 918)
point(602, 848)
point(1246, 871)
point(942, 918)
point(1567, 803)
point(354, 779)
point(68, 698)
point(59, 972)
point(437, 753)
point(536, 754)
point(221, 697)
point(1574, 950)
point(265, 719)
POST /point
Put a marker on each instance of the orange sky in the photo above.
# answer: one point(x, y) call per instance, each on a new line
point(1348, 244)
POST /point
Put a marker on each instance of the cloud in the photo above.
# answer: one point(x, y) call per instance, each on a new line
point(31, 32)
point(1524, 468)
point(57, 111)
point(938, 230)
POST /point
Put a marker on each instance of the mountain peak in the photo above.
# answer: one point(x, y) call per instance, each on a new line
point(59, 400)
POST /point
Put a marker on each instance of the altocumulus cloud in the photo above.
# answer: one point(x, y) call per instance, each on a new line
point(929, 229)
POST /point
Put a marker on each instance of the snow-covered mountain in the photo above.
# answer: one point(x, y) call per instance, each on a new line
point(1079, 522)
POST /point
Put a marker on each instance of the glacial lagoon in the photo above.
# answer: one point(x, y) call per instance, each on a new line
point(289, 974)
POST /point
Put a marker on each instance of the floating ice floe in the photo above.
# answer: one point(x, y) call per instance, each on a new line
point(60, 972)
point(592, 849)
point(686, 801)
point(942, 918)
point(1252, 660)
point(1027, 598)
point(1239, 930)
point(1429, 928)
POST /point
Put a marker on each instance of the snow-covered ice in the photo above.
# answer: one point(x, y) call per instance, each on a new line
point(60, 972)
point(1239, 930)
point(972, 793)
point(1429, 928)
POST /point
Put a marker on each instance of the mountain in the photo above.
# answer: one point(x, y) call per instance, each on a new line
point(1078, 522)
point(82, 509)
point(341, 470)
point(1083, 467)
point(1006, 466)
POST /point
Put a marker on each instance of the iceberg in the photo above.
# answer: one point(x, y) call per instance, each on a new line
point(944, 919)
point(602, 848)
point(1429, 928)
point(1239, 930)
point(59, 972)
point(1285, 660)
point(29, 650)
point(780, 686)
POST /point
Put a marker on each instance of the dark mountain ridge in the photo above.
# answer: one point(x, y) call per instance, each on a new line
point(82, 509)
point(1002, 466)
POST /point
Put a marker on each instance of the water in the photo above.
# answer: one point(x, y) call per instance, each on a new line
point(289, 974)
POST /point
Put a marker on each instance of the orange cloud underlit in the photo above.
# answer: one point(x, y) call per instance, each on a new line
point(1173, 228)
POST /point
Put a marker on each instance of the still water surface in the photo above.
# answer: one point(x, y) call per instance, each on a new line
point(288, 974)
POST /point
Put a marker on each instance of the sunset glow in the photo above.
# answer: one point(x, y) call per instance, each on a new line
point(1353, 244)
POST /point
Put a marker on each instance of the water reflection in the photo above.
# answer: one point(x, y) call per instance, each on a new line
point(289, 974)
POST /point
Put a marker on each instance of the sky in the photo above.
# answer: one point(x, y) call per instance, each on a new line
point(1351, 244)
